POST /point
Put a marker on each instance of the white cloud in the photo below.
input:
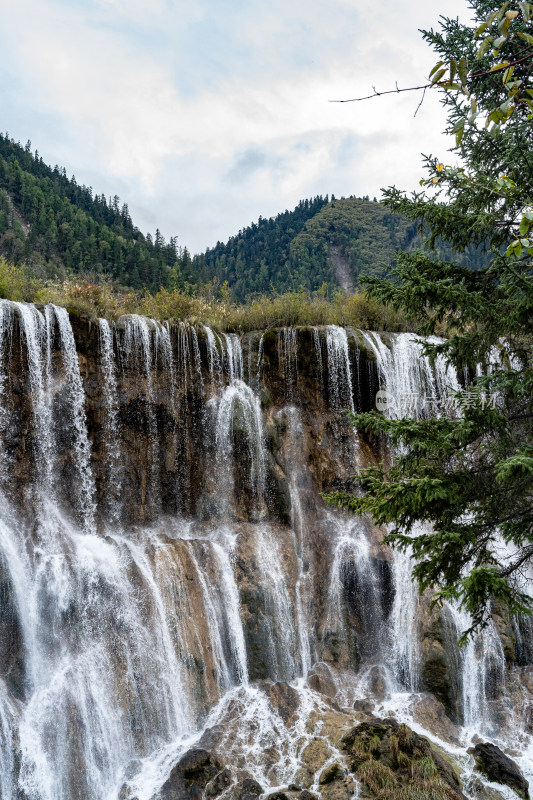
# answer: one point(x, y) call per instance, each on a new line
point(222, 107)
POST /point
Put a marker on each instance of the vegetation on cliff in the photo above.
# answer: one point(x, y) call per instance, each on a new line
point(207, 304)
point(471, 477)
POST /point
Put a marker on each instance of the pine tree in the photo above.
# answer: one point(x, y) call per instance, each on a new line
point(469, 478)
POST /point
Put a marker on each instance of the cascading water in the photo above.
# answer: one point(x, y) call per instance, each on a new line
point(76, 404)
point(184, 359)
point(482, 673)
point(37, 335)
point(288, 359)
point(415, 388)
point(6, 326)
point(259, 367)
point(239, 411)
point(283, 651)
point(339, 370)
point(354, 578)
point(233, 356)
point(418, 388)
point(298, 485)
point(120, 641)
point(110, 425)
point(404, 635)
point(319, 360)
point(213, 357)
point(137, 349)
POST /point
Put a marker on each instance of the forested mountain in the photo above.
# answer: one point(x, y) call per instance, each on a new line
point(58, 227)
point(333, 241)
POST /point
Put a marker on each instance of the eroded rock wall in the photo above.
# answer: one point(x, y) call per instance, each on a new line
point(165, 552)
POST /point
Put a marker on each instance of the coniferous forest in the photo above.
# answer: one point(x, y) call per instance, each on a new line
point(59, 228)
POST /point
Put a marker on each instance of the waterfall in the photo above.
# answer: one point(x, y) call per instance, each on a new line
point(196, 359)
point(76, 396)
point(36, 333)
point(232, 611)
point(111, 425)
point(125, 655)
point(8, 715)
point(138, 355)
point(260, 358)
point(319, 360)
point(283, 655)
point(239, 411)
point(339, 370)
point(288, 359)
point(213, 357)
point(241, 613)
point(416, 388)
point(184, 360)
point(167, 357)
point(355, 587)
point(405, 644)
point(233, 356)
point(137, 648)
point(15, 576)
point(304, 584)
point(482, 673)
point(6, 327)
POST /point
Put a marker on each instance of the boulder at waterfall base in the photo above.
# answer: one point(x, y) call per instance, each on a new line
point(189, 778)
point(498, 767)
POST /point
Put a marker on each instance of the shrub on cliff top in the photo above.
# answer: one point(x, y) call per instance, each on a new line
point(17, 283)
point(208, 306)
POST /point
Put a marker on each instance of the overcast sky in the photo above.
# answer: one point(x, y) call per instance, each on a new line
point(203, 115)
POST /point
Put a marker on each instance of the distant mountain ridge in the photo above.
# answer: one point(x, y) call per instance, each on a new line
point(60, 228)
point(321, 241)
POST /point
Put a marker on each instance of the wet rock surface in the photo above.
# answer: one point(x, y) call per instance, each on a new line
point(219, 783)
point(498, 767)
point(247, 789)
point(189, 778)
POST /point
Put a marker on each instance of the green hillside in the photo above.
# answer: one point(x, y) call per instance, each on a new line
point(58, 228)
point(333, 241)
point(321, 241)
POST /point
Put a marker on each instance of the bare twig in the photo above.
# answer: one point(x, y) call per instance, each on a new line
point(379, 94)
point(431, 85)
point(420, 103)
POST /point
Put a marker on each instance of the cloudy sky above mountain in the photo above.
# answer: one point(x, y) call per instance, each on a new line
point(205, 115)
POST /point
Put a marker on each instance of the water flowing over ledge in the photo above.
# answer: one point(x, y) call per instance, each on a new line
point(171, 576)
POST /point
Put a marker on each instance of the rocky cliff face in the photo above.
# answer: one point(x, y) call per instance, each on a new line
point(170, 575)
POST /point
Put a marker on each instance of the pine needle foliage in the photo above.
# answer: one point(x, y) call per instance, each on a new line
point(469, 480)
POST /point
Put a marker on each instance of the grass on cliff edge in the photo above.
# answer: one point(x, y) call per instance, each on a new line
point(209, 305)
